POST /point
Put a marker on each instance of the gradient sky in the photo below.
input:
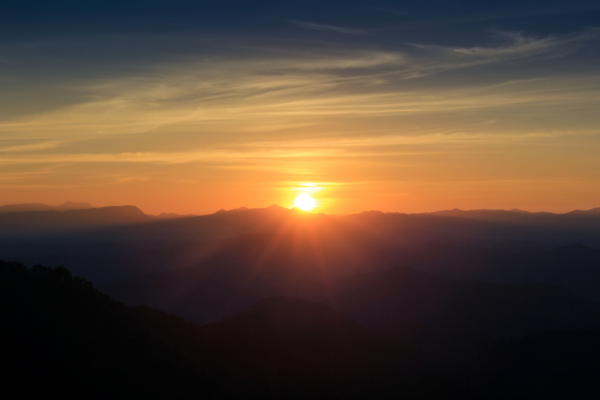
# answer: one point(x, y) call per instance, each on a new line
point(193, 106)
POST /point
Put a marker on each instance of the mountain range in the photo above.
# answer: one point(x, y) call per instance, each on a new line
point(208, 267)
point(280, 303)
point(476, 226)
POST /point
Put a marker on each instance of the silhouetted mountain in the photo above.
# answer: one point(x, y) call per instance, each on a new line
point(265, 248)
point(514, 216)
point(593, 211)
point(244, 268)
point(295, 347)
point(575, 218)
point(266, 259)
point(15, 224)
point(62, 338)
point(382, 229)
point(65, 339)
point(388, 297)
point(376, 299)
point(185, 292)
point(125, 263)
point(69, 205)
point(221, 225)
point(276, 315)
point(33, 234)
point(172, 216)
point(576, 267)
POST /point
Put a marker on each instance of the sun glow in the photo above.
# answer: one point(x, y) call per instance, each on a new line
point(304, 202)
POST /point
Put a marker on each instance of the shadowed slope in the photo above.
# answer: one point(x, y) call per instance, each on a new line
point(376, 299)
point(62, 337)
point(65, 339)
point(294, 347)
point(575, 267)
point(404, 295)
point(187, 292)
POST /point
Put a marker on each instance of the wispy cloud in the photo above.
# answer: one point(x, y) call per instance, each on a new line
point(332, 28)
point(30, 147)
point(244, 101)
point(517, 45)
point(512, 46)
point(166, 157)
point(260, 152)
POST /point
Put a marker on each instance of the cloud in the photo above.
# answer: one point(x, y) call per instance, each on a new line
point(332, 28)
point(166, 157)
point(302, 96)
point(515, 46)
point(31, 147)
point(270, 154)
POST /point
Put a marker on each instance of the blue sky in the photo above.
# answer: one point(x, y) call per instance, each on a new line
point(192, 106)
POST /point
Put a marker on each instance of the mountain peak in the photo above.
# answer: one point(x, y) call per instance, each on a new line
point(47, 221)
point(222, 210)
point(593, 211)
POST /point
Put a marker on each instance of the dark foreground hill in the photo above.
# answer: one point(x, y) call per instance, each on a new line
point(62, 338)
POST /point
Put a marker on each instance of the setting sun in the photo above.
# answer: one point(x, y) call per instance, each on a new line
point(304, 202)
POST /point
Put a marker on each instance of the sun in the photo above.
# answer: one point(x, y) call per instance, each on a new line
point(304, 202)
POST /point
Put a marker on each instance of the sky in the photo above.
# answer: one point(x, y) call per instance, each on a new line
point(400, 106)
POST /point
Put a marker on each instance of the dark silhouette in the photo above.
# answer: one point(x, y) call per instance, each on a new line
point(36, 223)
point(376, 299)
point(37, 234)
point(61, 336)
point(64, 338)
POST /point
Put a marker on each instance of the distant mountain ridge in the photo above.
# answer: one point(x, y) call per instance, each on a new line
point(69, 205)
point(172, 215)
point(383, 228)
point(13, 224)
point(515, 215)
point(593, 211)
point(456, 212)
point(123, 241)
